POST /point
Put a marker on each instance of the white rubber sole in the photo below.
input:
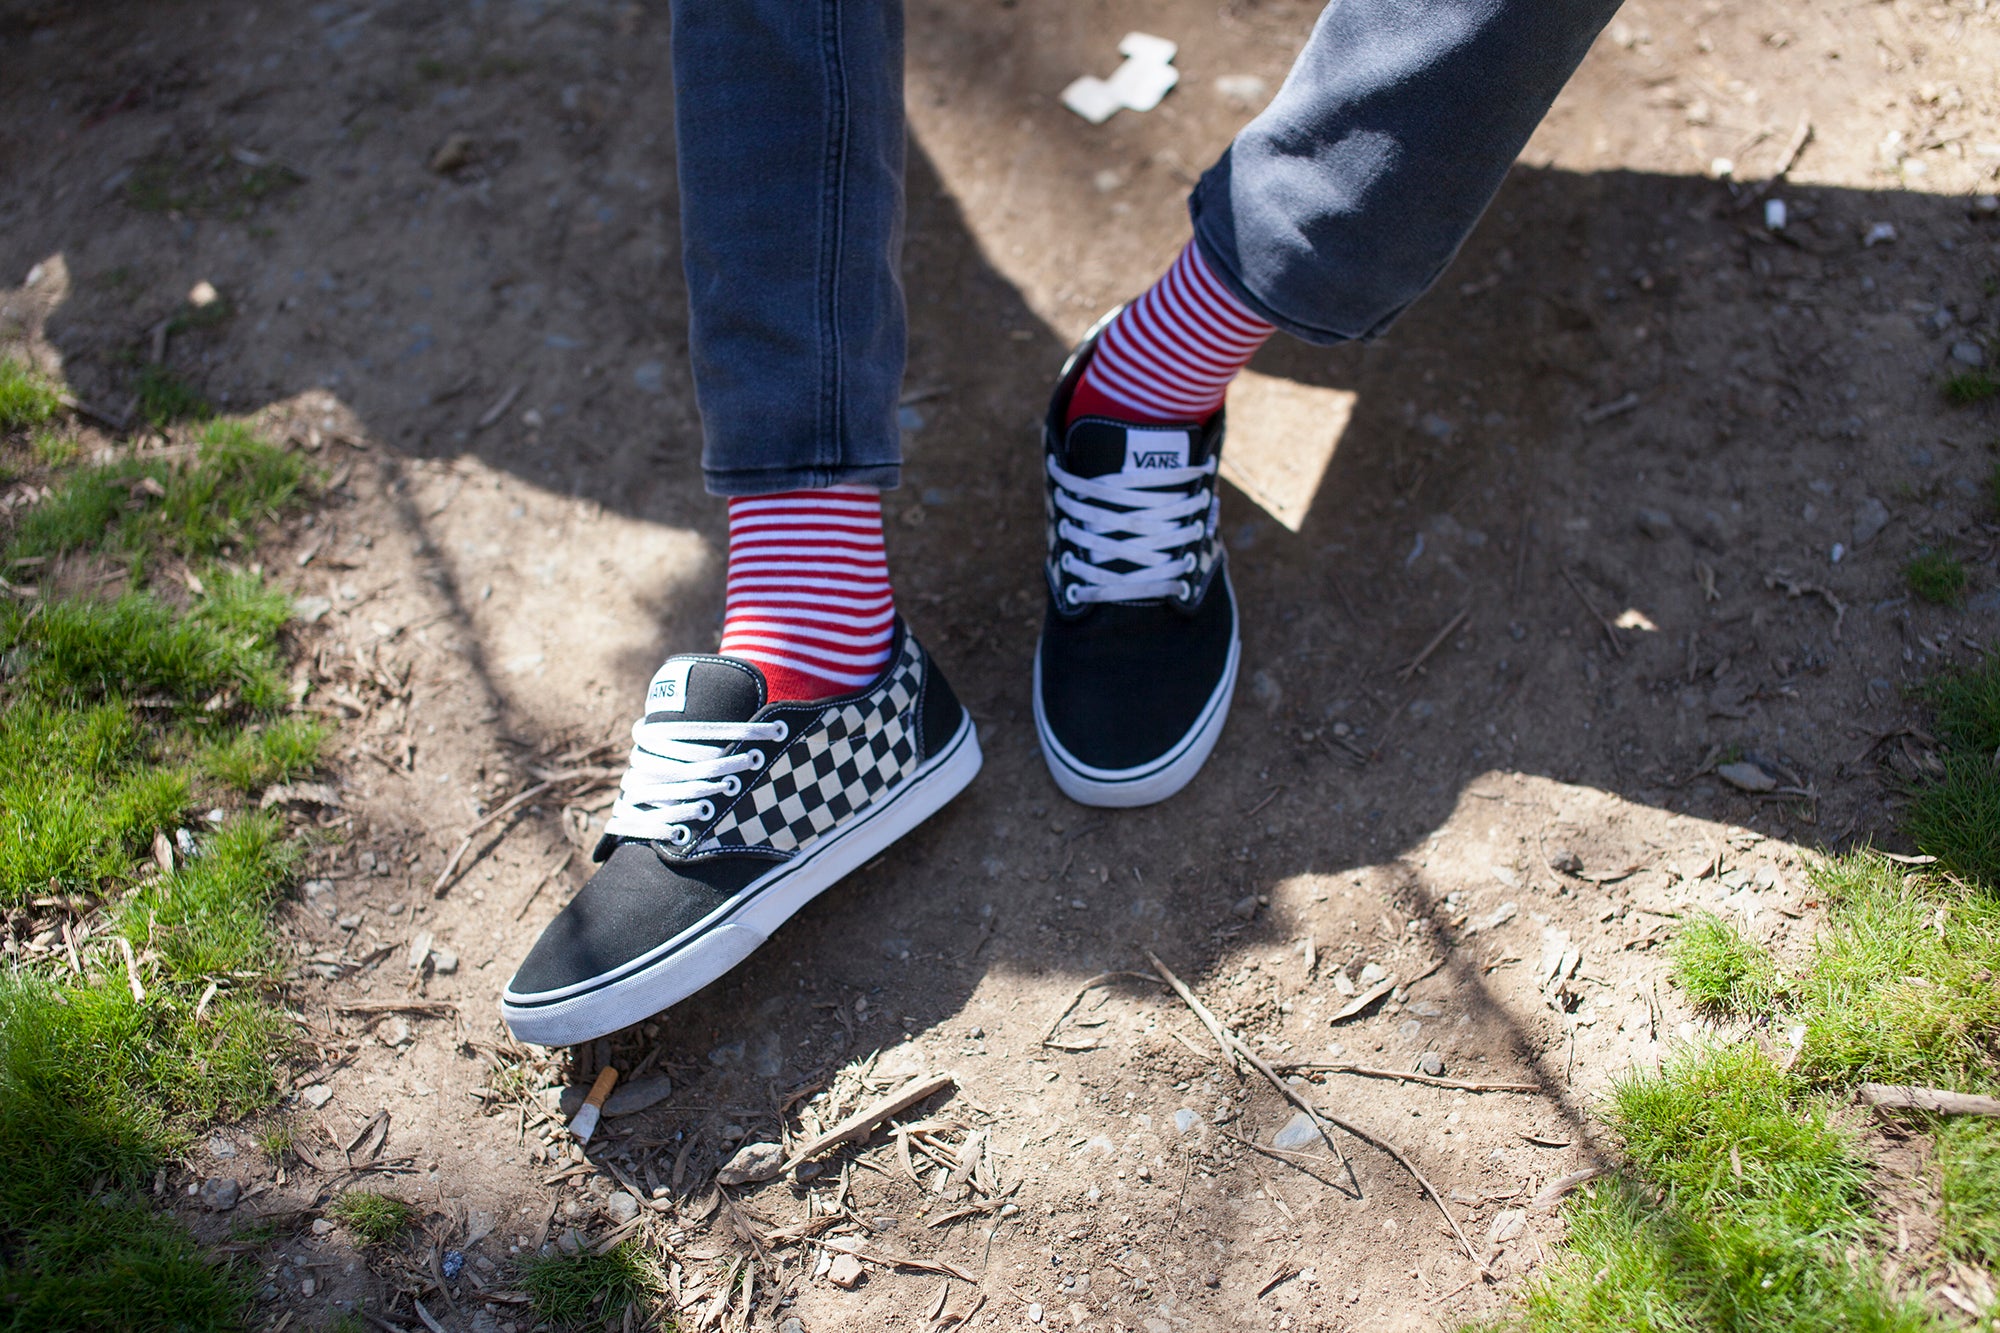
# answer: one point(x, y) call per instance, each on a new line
point(1148, 784)
point(683, 965)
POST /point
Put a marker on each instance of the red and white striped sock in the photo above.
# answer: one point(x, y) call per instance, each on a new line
point(1169, 356)
point(808, 596)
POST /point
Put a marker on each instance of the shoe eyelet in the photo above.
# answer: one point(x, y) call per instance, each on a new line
point(705, 810)
point(679, 835)
point(784, 731)
point(756, 759)
point(732, 785)
point(1070, 595)
point(1186, 589)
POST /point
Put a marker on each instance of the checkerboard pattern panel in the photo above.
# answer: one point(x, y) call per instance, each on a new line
point(840, 764)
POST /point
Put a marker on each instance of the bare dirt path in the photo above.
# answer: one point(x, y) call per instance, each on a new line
point(1625, 437)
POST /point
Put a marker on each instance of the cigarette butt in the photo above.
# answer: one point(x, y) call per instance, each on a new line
point(585, 1123)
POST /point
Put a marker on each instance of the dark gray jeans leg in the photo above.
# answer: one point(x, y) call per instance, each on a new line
point(1347, 196)
point(789, 128)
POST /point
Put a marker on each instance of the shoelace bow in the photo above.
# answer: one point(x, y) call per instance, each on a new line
point(676, 769)
point(1152, 519)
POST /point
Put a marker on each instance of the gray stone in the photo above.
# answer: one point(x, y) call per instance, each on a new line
point(1185, 1121)
point(1245, 907)
point(1409, 1027)
point(752, 1163)
point(1373, 973)
point(317, 1095)
point(1430, 1062)
point(1264, 688)
point(322, 1227)
point(792, 1324)
point(1426, 1009)
point(1870, 517)
point(1298, 1132)
point(1968, 353)
point(621, 1207)
point(220, 1194)
point(444, 962)
point(1656, 523)
point(1747, 777)
point(625, 1099)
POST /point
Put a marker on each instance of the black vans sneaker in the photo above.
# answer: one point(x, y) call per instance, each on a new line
point(734, 815)
point(1137, 660)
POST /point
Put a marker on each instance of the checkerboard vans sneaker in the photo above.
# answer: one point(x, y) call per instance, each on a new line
point(736, 813)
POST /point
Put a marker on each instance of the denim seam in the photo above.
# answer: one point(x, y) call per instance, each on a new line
point(826, 451)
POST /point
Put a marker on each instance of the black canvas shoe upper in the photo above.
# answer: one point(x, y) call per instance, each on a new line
point(722, 788)
point(1140, 620)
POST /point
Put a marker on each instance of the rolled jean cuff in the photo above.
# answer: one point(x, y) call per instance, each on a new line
point(771, 481)
point(1224, 268)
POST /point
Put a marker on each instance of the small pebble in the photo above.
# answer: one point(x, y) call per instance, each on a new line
point(1431, 1063)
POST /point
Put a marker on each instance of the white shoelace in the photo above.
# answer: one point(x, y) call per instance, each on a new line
point(1153, 518)
point(676, 769)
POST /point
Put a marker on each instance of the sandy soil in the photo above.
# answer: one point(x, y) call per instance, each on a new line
point(1615, 452)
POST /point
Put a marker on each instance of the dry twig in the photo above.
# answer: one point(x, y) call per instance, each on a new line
point(1462, 1085)
point(1236, 1050)
point(465, 843)
point(1321, 1118)
point(1431, 647)
point(1100, 979)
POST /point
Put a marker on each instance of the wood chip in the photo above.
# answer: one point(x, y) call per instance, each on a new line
point(1904, 1097)
point(1364, 1000)
point(863, 1122)
point(1552, 1195)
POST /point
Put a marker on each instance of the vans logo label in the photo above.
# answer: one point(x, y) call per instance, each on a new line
point(1152, 450)
point(668, 692)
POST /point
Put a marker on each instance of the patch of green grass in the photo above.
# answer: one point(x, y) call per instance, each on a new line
point(1956, 815)
point(1742, 1200)
point(373, 1218)
point(77, 802)
point(54, 448)
point(118, 717)
point(590, 1289)
point(1900, 988)
point(208, 917)
point(275, 1141)
point(26, 399)
point(166, 398)
point(88, 1108)
point(195, 507)
point(219, 654)
point(1937, 577)
point(1968, 1160)
point(1970, 388)
point(255, 757)
point(1721, 970)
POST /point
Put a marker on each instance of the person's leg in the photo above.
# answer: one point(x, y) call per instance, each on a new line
point(822, 732)
point(1346, 197)
point(1332, 211)
point(789, 122)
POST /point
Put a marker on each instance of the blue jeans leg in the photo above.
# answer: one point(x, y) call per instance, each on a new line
point(788, 121)
point(1346, 197)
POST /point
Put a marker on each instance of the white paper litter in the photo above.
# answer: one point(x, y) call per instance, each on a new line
point(1138, 84)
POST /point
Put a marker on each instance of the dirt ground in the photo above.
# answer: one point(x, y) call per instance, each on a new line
point(1632, 487)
